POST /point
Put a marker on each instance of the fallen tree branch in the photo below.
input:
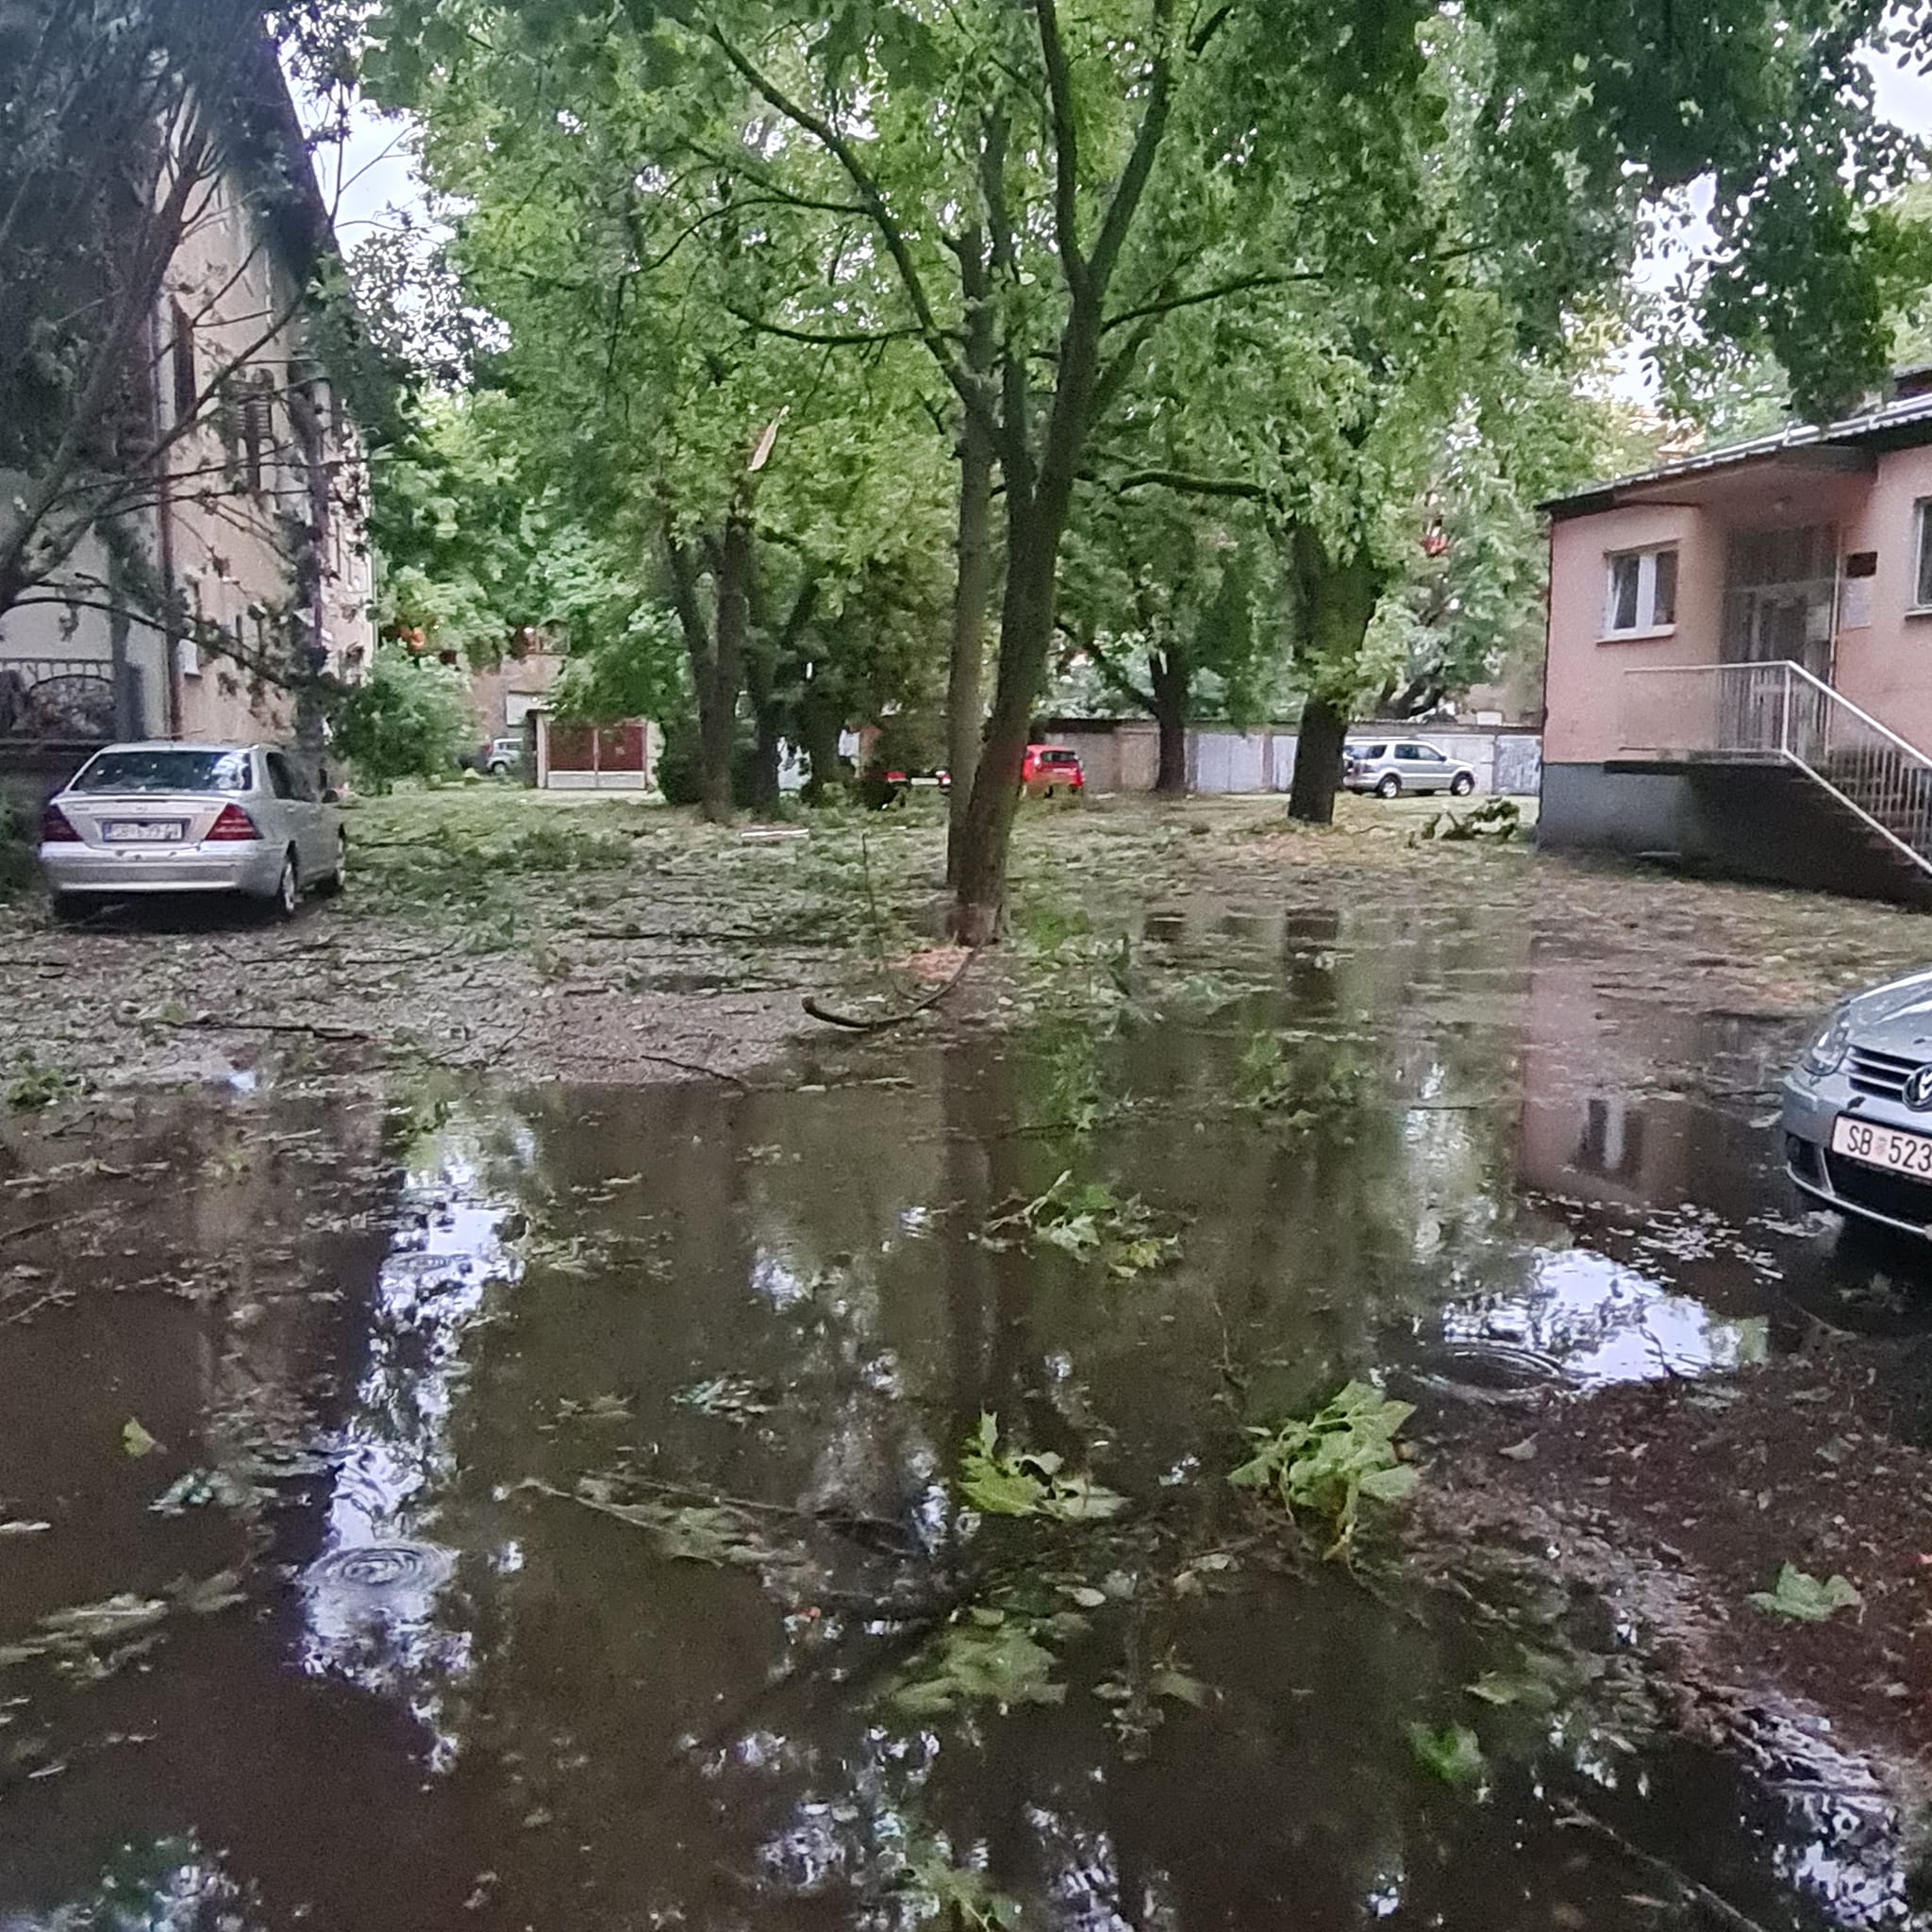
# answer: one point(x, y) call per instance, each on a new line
point(853, 1023)
point(1700, 1895)
point(208, 1023)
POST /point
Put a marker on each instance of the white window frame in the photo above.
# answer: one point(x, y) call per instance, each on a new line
point(1922, 519)
point(1646, 625)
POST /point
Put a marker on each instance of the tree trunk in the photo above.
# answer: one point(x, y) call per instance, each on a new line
point(979, 877)
point(768, 718)
point(1338, 599)
point(820, 721)
point(973, 586)
point(718, 718)
point(1171, 678)
point(1317, 762)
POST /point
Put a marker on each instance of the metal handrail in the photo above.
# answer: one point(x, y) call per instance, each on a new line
point(1817, 683)
point(1838, 744)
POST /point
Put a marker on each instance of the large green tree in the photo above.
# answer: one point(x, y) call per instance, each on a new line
point(1038, 196)
point(777, 477)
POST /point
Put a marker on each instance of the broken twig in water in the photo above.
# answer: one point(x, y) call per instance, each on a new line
point(1700, 1895)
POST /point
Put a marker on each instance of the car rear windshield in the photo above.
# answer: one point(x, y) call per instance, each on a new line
point(165, 771)
point(1057, 758)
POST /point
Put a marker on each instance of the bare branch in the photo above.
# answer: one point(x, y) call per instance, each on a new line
point(1237, 487)
point(1147, 139)
point(893, 236)
point(850, 339)
point(1196, 297)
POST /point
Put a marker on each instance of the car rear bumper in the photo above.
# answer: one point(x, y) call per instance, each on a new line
point(253, 868)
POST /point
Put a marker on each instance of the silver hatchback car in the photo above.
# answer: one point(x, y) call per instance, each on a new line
point(192, 818)
point(1391, 766)
point(1858, 1108)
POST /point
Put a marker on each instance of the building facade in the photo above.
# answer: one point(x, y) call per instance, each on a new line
point(1739, 656)
point(236, 571)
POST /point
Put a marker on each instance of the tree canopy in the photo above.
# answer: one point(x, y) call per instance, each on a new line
point(1299, 247)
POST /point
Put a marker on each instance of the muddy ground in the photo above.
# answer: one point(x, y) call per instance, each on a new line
point(522, 1167)
point(551, 937)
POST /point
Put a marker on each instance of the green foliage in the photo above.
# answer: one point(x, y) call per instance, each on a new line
point(409, 717)
point(985, 1656)
point(32, 1086)
point(960, 1897)
point(1803, 1599)
point(1296, 1081)
point(1030, 1483)
point(566, 848)
point(1498, 819)
point(1089, 1222)
point(1329, 1465)
point(1452, 1754)
point(734, 1399)
point(16, 853)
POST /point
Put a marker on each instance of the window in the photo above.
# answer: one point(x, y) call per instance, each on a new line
point(165, 771)
point(1420, 754)
point(283, 779)
point(1642, 591)
point(1922, 599)
point(257, 433)
point(1372, 752)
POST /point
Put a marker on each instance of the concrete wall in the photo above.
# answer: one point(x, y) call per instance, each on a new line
point(1753, 822)
point(1122, 755)
point(1585, 678)
point(508, 692)
point(1886, 666)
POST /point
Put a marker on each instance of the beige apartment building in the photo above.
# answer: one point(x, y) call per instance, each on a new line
point(250, 514)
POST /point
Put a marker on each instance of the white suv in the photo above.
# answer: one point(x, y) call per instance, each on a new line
point(1391, 766)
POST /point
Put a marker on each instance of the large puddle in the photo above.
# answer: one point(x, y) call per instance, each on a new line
point(535, 1509)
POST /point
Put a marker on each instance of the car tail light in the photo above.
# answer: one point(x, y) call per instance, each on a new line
point(55, 828)
point(232, 825)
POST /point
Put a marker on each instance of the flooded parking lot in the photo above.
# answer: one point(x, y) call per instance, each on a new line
point(538, 1506)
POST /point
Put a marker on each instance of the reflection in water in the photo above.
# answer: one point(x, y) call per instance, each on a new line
point(375, 1596)
point(774, 1305)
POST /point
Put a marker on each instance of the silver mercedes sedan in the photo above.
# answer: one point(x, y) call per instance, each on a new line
point(1858, 1108)
point(192, 818)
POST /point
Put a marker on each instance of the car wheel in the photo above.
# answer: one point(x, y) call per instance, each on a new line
point(498, 769)
point(288, 895)
point(1462, 784)
point(1389, 787)
point(331, 885)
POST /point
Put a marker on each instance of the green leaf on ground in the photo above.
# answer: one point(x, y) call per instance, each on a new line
point(1803, 1599)
point(1452, 1754)
point(136, 1439)
point(1001, 1483)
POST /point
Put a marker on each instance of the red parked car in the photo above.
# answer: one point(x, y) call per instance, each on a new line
point(1048, 769)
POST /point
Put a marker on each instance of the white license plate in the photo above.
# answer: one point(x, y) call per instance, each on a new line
point(1885, 1148)
point(146, 831)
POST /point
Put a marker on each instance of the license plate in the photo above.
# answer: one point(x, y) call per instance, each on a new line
point(1885, 1148)
point(146, 831)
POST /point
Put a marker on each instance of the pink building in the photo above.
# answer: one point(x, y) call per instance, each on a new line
point(1740, 659)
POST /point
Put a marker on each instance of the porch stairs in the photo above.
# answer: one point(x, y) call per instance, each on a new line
point(1790, 779)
